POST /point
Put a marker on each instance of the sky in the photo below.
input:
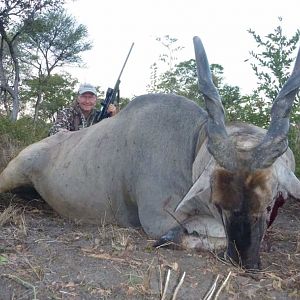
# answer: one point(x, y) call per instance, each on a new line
point(113, 25)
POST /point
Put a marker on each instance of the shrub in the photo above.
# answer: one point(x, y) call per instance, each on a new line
point(14, 136)
point(294, 144)
point(24, 130)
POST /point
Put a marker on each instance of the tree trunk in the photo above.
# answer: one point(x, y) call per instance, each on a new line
point(16, 105)
point(37, 106)
point(14, 92)
point(6, 105)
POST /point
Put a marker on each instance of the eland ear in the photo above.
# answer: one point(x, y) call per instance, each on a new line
point(194, 198)
point(288, 181)
point(200, 191)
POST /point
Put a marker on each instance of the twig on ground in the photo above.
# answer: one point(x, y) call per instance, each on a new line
point(166, 284)
point(8, 214)
point(178, 286)
point(106, 256)
point(160, 280)
point(35, 270)
point(221, 259)
point(211, 291)
point(24, 283)
point(222, 286)
point(291, 279)
point(273, 276)
point(298, 244)
point(67, 293)
point(165, 244)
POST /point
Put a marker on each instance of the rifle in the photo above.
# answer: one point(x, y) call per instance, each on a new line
point(111, 94)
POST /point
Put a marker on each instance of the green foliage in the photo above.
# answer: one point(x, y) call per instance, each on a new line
point(3, 260)
point(272, 65)
point(244, 108)
point(24, 130)
point(37, 37)
point(182, 80)
point(15, 17)
point(57, 91)
point(171, 48)
point(294, 144)
point(166, 61)
point(53, 40)
point(123, 102)
point(20, 13)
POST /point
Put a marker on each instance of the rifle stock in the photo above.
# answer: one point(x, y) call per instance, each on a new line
point(112, 94)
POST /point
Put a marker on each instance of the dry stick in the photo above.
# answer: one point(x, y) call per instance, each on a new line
point(222, 286)
point(221, 259)
point(33, 269)
point(160, 274)
point(298, 244)
point(147, 277)
point(24, 283)
point(166, 285)
point(164, 244)
point(178, 286)
point(160, 281)
point(211, 291)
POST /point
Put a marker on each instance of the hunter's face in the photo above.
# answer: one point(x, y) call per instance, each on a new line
point(87, 101)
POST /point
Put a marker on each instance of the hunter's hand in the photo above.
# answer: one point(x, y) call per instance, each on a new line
point(112, 109)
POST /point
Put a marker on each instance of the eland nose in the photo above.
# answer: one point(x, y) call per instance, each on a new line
point(252, 266)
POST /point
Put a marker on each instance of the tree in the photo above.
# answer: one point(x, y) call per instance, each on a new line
point(182, 80)
point(15, 17)
point(166, 60)
point(272, 63)
point(58, 92)
point(272, 67)
point(52, 41)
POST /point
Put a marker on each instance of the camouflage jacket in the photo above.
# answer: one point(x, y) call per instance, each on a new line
point(72, 119)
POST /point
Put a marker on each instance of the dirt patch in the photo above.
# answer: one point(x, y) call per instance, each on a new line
point(44, 256)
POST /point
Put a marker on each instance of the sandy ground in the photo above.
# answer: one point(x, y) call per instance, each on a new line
point(44, 256)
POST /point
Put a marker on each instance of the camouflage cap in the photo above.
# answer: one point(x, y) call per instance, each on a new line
point(87, 88)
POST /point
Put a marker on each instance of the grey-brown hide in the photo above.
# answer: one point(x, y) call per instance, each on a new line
point(252, 170)
point(131, 169)
point(161, 156)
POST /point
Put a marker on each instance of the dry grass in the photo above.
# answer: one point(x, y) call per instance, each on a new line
point(69, 260)
point(22, 282)
point(11, 214)
point(9, 149)
point(298, 243)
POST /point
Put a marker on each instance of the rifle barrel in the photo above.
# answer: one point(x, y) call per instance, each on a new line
point(125, 62)
point(112, 93)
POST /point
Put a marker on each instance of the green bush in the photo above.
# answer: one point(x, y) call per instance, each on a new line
point(24, 130)
point(294, 138)
point(14, 136)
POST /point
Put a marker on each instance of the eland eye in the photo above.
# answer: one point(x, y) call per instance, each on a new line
point(269, 208)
